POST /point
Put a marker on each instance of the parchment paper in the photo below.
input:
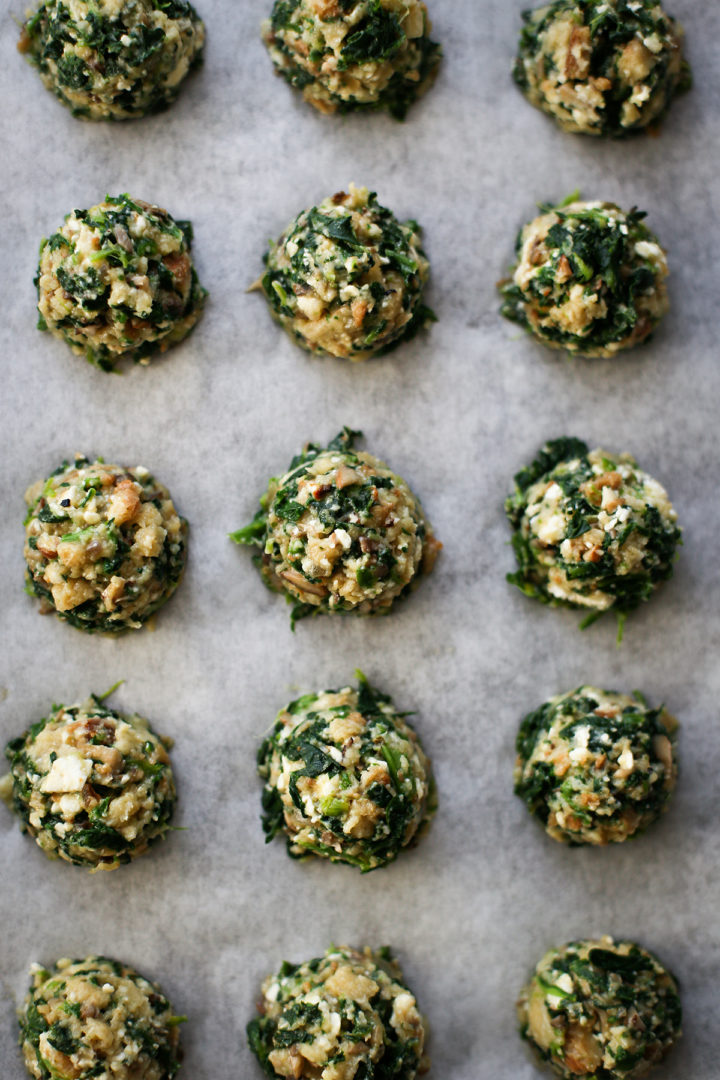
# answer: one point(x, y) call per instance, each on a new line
point(456, 413)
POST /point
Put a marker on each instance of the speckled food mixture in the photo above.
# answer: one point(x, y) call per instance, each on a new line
point(117, 281)
point(344, 1016)
point(350, 54)
point(601, 67)
point(104, 545)
point(346, 278)
point(98, 1018)
point(92, 785)
point(340, 532)
point(591, 529)
point(113, 59)
point(596, 766)
point(602, 1010)
point(345, 777)
point(589, 278)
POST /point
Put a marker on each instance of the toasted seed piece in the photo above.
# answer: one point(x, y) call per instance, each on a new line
point(344, 1014)
point(113, 59)
point(589, 278)
point(98, 1017)
point(104, 545)
point(596, 766)
point(340, 547)
point(600, 1008)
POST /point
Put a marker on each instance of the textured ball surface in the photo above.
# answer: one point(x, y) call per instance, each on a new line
point(104, 545)
point(589, 278)
point(601, 1009)
point(595, 766)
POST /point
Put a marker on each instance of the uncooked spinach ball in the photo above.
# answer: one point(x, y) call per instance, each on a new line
point(346, 278)
point(113, 59)
point(104, 545)
point(92, 786)
point(353, 54)
point(601, 67)
point(98, 1018)
point(340, 532)
point(590, 529)
point(342, 1015)
point(600, 1009)
point(596, 766)
point(117, 282)
point(589, 278)
point(345, 776)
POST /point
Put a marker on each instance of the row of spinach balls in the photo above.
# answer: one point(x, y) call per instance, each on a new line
point(597, 67)
point(346, 279)
point(346, 776)
point(346, 779)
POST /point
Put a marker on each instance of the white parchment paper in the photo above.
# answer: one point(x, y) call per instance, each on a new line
point(456, 412)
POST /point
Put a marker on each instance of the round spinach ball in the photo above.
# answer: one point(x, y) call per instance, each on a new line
point(591, 529)
point(345, 776)
point(595, 766)
point(113, 59)
point(353, 54)
point(346, 278)
point(600, 1009)
point(601, 67)
point(117, 281)
point(97, 1017)
point(104, 545)
point(349, 1006)
point(91, 785)
point(340, 532)
point(589, 278)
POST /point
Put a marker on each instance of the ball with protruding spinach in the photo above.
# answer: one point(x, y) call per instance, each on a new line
point(590, 529)
point(113, 59)
point(346, 777)
point(98, 1018)
point(601, 67)
point(104, 545)
point(346, 278)
point(342, 1015)
point(340, 532)
point(91, 785)
point(589, 278)
point(600, 1008)
point(353, 54)
point(596, 766)
point(117, 282)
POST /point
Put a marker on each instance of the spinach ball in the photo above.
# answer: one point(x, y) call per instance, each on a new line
point(345, 776)
point(98, 1017)
point(601, 67)
point(346, 278)
point(353, 54)
point(589, 278)
point(117, 282)
point(595, 766)
point(600, 1008)
point(113, 59)
point(104, 545)
point(342, 1015)
point(340, 532)
point(590, 529)
point(92, 786)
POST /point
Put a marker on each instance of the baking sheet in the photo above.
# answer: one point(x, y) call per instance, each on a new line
point(456, 412)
